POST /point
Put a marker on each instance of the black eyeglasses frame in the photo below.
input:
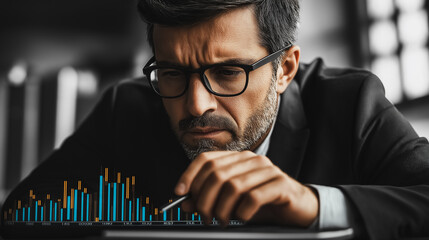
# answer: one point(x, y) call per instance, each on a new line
point(147, 69)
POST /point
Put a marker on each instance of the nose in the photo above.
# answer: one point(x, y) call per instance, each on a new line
point(199, 99)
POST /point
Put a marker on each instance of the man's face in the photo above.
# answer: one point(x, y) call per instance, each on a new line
point(201, 120)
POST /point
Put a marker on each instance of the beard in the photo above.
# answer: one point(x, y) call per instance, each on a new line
point(256, 127)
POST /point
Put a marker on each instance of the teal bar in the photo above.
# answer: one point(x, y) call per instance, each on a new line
point(178, 214)
point(143, 213)
point(55, 216)
point(23, 214)
point(150, 217)
point(68, 207)
point(114, 201)
point(129, 211)
point(16, 215)
point(137, 209)
point(108, 202)
point(61, 214)
point(123, 200)
point(35, 214)
point(50, 210)
point(75, 205)
point(100, 200)
point(81, 207)
point(165, 215)
point(199, 217)
point(41, 214)
point(29, 210)
point(87, 207)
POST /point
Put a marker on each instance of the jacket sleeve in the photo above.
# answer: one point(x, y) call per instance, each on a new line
point(392, 165)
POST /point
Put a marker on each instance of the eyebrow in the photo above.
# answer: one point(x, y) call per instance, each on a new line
point(228, 61)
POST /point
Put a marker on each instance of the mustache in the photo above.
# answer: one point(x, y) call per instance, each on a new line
point(208, 120)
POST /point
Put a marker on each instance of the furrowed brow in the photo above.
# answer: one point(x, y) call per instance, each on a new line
point(228, 61)
point(237, 61)
point(169, 64)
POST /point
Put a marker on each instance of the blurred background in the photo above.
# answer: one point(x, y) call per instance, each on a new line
point(57, 58)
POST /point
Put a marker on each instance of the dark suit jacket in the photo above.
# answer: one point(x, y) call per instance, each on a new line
point(334, 127)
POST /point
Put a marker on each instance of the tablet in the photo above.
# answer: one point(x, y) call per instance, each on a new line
point(234, 233)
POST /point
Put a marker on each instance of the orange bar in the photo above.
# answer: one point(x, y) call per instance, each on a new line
point(19, 204)
point(106, 174)
point(85, 190)
point(127, 189)
point(31, 193)
point(119, 177)
point(133, 180)
point(48, 196)
point(195, 213)
point(79, 185)
point(96, 219)
point(147, 200)
point(72, 198)
point(40, 203)
point(156, 211)
point(34, 197)
point(65, 195)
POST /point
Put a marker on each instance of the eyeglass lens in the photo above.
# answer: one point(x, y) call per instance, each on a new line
point(224, 80)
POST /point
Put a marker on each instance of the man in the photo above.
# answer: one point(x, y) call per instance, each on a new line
point(269, 140)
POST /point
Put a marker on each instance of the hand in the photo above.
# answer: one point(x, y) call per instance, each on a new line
point(226, 184)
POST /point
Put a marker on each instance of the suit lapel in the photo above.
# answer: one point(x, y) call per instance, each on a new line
point(289, 139)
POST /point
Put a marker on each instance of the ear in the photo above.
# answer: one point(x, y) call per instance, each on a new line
point(288, 68)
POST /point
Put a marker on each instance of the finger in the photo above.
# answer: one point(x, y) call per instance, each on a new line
point(207, 197)
point(233, 189)
point(226, 162)
point(252, 201)
point(297, 204)
point(188, 176)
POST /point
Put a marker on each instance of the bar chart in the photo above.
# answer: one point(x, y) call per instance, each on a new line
point(115, 203)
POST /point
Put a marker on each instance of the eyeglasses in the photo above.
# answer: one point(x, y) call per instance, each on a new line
point(222, 79)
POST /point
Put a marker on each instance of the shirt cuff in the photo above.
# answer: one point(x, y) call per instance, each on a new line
point(334, 211)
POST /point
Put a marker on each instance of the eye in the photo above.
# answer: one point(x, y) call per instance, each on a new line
point(170, 73)
point(226, 72)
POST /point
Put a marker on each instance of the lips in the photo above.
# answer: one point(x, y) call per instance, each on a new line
point(206, 132)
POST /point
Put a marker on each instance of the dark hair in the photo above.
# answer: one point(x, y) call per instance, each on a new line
point(277, 19)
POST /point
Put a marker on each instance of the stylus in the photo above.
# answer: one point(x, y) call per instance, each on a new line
point(174, 202)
